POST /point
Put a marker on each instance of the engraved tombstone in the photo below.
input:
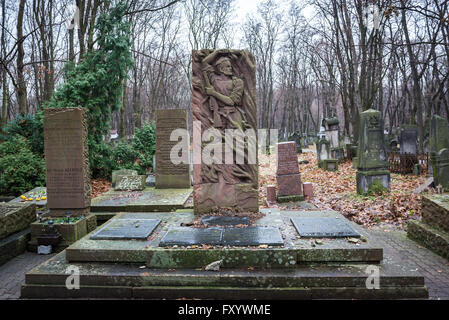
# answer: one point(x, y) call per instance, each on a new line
point(287, 175)
point(224, 102)
point(439, 151)
point(172, 171)
point(372, 162)
point(67, 161)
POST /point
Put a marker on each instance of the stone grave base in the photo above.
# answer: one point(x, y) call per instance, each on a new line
point(70, 232)
point(365, 179)
point(301, 268)
point(329, 164)
point(148, 200)
point(13, 245)
point(433, 230)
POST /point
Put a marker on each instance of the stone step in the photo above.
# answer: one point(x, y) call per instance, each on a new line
point(323, 281)
point(430, 237)
point(435, 211)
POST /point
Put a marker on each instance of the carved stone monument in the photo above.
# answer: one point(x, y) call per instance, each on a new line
point(439, 151)
point(372, 165)
point(408, 139)
point(123, 172)
point(325, 160)
point(296, 136)
point(67, 161)
point(287, 175)
point(224, 103)
point(172, 173)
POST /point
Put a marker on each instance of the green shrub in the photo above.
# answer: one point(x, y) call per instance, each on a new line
point(30, 127)
point(144, 144)
point(20, 169)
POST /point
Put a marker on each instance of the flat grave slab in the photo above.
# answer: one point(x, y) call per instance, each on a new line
point(185, 236)
point(224, 221)
point(323, 227)
point(36, 193)
point(251, 236)
point(148, 200)
point(123, 229)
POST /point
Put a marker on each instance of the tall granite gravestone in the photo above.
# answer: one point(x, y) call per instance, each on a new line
point(372, 165)
point(408, 139)
point(224, 101)
point(439, 151)
point(67, 161)
point(287, 175)
point(172, 173)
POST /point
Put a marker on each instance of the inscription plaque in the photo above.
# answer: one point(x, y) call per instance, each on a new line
point(168, 173)
point(67, 161)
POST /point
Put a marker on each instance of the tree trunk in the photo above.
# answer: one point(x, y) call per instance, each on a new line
point(21, 85)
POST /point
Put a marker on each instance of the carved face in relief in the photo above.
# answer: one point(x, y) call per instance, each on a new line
point(224, 66)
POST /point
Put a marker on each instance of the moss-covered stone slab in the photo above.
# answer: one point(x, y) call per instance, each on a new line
point(323, 227)
point(435, 210)
point(15, 217)
point(36, 193)
point(294, 198)
point(331, 281)
point(432, 238)
point(148, 200)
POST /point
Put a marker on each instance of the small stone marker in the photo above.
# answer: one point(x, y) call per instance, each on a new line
point(287, 176)
point(67, 161)
point(168, 173)
point(271, 194)
point(130, 183)
point(323, 227)
point(225, 221)
point(308, 190)
point(372, 158)
point(126, 229)
point(251, 236)
point(123, 172)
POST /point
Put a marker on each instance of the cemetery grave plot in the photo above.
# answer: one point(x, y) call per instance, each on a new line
point(38, 194)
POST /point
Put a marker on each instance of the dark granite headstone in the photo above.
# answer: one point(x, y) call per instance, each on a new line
point(184, 236)
point(224, 221)
point(168, 173)
point(408, 139)
point(252, 236)
point(126, 229)
point(67, 161)
point(323, 227)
